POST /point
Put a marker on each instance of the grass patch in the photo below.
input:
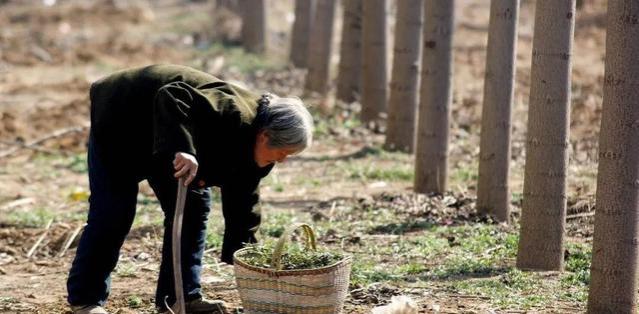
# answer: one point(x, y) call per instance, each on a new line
point(512, 289)
point(370, 172)
point(126, 269)
point(134, 301)
point(326, 126)
point(236, 58)
point(516, 198)
point(78, 163)
point(215, 230)
point(372, 163)
point(8, 300)
point(471, 259)
point(214, 238)
point(578, 263)
point(475, 250)
point(465, 176)
point(188, 21)
point(576, 278)
point(150, 214)
point(274, 224)
point(367, 271)
point(32, 218)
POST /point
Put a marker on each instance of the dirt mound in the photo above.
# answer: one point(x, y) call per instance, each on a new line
point(69, 33)
point(16, 242)
point(42, 122)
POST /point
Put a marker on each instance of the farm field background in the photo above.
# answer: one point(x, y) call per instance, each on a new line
point(358, 196)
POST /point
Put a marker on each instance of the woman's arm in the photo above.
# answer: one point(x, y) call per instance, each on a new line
point(242, 217)
point(173, 128)
point(173, 122)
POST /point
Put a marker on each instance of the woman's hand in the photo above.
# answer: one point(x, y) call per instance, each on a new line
point(185, 166)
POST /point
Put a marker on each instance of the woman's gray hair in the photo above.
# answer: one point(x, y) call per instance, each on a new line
point(287, 123)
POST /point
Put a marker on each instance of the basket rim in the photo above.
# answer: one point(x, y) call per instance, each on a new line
point(290, 272)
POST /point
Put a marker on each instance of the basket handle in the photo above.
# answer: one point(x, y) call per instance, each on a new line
point(276, 260)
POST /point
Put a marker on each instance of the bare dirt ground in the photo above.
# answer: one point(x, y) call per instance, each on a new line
point(432, 248)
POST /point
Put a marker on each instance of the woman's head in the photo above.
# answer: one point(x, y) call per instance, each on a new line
point(285, 128)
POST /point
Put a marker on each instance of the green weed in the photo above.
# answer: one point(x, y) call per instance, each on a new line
point(274, 224)
point(575, 281)
point(78, 163)
point(134, 301)
point(294, 256)
point(126, 269)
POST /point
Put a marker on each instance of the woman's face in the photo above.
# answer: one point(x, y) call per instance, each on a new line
point(266, 155)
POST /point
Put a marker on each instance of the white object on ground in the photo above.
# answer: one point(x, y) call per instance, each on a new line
point(399, 305)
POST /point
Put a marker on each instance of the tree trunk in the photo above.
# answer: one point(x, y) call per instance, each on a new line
point(374, 58)
point(304, 10)
point(544, 203)
point(402, 118)
point(613, 284)
point(253, 25)
point(493, 194)
point(431, 166)
point(319, 53)
point(350, 61)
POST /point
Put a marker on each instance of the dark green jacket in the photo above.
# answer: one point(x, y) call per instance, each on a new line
point(148, 114)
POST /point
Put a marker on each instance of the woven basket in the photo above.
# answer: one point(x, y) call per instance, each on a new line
point(311, 291)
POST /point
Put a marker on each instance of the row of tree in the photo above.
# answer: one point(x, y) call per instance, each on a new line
point(419, 113)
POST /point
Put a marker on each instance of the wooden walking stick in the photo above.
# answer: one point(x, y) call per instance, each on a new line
point(179, 306)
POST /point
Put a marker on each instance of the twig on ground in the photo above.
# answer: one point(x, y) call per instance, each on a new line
point(17, 203)
point(331, 212)
point(580, 215)
point(468, 296)
point(36, 143)
point(42, 236)
point(567, 308)
point(70, 239)
point(209, 250)
point(366, 288)
point(22, 144)
point(380, 236)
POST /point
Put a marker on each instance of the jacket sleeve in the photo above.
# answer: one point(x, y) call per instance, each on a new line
point(173, 119)
point(241, 215)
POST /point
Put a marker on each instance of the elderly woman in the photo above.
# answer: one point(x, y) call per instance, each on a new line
point(164, 122)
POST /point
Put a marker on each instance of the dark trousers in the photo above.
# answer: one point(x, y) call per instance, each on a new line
point(111, 212)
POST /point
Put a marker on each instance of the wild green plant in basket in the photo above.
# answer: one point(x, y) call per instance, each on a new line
point(295, 257)
point(272, 279)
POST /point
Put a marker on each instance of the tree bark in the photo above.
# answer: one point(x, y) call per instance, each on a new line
point(374, 58)
point(613, 284)
point(304, 10)
point(254, 25)
point(319, 53)
point(544, 203)
point(350, 61)
point(493, 194)
point(402, 112)
point(431, 166)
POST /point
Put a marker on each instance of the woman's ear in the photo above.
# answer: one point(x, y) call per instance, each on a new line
point(262, 137)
